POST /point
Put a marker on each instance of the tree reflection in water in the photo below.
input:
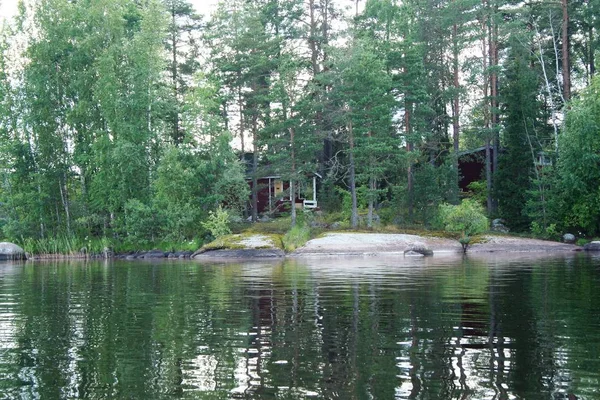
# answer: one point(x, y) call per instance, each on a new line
point(324, 328)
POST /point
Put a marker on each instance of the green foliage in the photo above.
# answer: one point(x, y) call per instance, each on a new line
point(579, 163)
point(103, 133)
point(141, 223)
point(468, 219)
point(296, 237)
point(478, 191)
point(547, 232)
point(582, 242)
point(233, 189)
point(523, 136)
point(217, 223)
point(66, 245)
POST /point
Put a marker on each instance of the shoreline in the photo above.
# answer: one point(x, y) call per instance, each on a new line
point(342, 244)
point(394, 245)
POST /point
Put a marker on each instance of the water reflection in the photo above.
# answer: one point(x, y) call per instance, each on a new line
point(452, 328)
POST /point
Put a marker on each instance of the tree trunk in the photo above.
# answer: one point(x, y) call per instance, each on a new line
point(176, 135)
point(488, 176)
point(409, 149)
point(354, 216)
point(592, 50)
point(372, 186)
point(293, 180)
point(455, 107)
point(64, 196)
point(255, 169)
point(565, 51)
point(372, 189)
point(486, 113)
point(241, 109)
point(494, 101)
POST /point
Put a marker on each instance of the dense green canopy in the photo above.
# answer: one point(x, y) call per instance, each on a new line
point(133, 120)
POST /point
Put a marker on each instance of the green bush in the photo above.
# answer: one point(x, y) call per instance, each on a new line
point(478, 191)
point(296, 237)
point(141, 223)
point(467, 219)
point(582, 242)
point(217, 223)
point(233, 189)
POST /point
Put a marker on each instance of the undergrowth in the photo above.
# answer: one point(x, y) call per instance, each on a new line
point(296, 237)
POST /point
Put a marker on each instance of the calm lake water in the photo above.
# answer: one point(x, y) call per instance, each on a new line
point(366, 328)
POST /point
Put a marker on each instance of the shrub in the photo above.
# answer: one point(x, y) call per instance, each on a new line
point(296, 237)
point(217, 223)
point(467, 219)
point(141, 222)
point(582, 242)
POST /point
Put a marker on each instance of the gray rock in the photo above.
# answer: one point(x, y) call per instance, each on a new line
point(154, 254)
point(317, 224)
point(411, 253)
point(418, 247)
point(10, 251)
point(498, 226)
point(376, 219)
point(186, 254)
point(107, 252)
point(592, 246)
point(336, 225)
point(569, 238)
point(241, 254)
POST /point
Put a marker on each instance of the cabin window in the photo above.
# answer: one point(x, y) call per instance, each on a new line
point(278, 187)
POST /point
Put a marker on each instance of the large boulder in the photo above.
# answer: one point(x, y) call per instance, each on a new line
point(498, 226)
point(153, 254)
point(10, 251)
point(569, 238)
point(418, 248)
point(592, 246)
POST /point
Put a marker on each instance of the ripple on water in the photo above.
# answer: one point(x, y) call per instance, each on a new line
point(363, 327)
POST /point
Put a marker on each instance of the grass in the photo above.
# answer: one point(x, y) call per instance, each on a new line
point(76, 247)
point(296, 237)
point(66, 246)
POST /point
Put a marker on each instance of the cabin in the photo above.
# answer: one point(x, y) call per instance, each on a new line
point(471, 166)
point(274, 194)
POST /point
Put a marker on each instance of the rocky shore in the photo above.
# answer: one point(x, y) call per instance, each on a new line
point(260, 246)
point(372, 244)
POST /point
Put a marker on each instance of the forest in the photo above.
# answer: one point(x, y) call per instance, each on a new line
point(136, 120)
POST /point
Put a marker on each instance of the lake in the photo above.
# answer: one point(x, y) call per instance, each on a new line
point(482, 327)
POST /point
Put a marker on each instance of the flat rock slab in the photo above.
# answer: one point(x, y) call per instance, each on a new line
point(361, 243)
point(520, 245)
point(240, 254)
point(256, 241)
point(10, 251)
point(380, 243)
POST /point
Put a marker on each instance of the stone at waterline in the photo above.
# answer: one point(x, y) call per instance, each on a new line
point(10, 251)
point(336, 225)
point(240, 254)
point(592, 246)
point(569, 238)
point(154, 254)
point(498, 226)
point(410, 253)
point(418, 247)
